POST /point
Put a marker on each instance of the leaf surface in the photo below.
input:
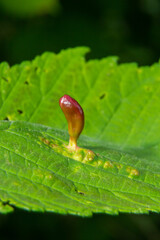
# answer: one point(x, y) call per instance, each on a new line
point(121, 106)
point(37, 175)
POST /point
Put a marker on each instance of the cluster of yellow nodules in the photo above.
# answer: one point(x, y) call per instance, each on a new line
point(89, 157)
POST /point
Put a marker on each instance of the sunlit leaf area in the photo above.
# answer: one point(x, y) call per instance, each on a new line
point(105, 55)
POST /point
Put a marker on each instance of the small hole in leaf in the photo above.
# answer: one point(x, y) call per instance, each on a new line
point(81, 193)
point(6, 118)
point(102, 96)
point(26, 82)
point(19, 111)
point(5, 79)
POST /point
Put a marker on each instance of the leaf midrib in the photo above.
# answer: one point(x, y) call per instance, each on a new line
point(59, 175)
point(124, 176)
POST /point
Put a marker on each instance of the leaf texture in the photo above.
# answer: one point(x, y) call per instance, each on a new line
point(121, 106)
point(35, 176)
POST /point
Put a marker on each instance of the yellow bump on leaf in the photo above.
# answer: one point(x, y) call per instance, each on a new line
point(44, 140)
point(49, 177)
point(99, 162)
point(78, 154)
point(89, 155)
point(108, 164)
point(132, 171)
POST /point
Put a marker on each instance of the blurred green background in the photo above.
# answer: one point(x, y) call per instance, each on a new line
point(129, 29)
point(126, 28)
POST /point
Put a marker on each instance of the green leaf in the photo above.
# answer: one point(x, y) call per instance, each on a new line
point(121, 106)
point(39, 173)
point(5, 208)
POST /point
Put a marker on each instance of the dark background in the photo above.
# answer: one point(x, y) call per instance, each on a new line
point(129, 29)
point(125, 28)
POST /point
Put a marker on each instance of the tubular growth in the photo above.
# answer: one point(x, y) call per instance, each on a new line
point(75, 118)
